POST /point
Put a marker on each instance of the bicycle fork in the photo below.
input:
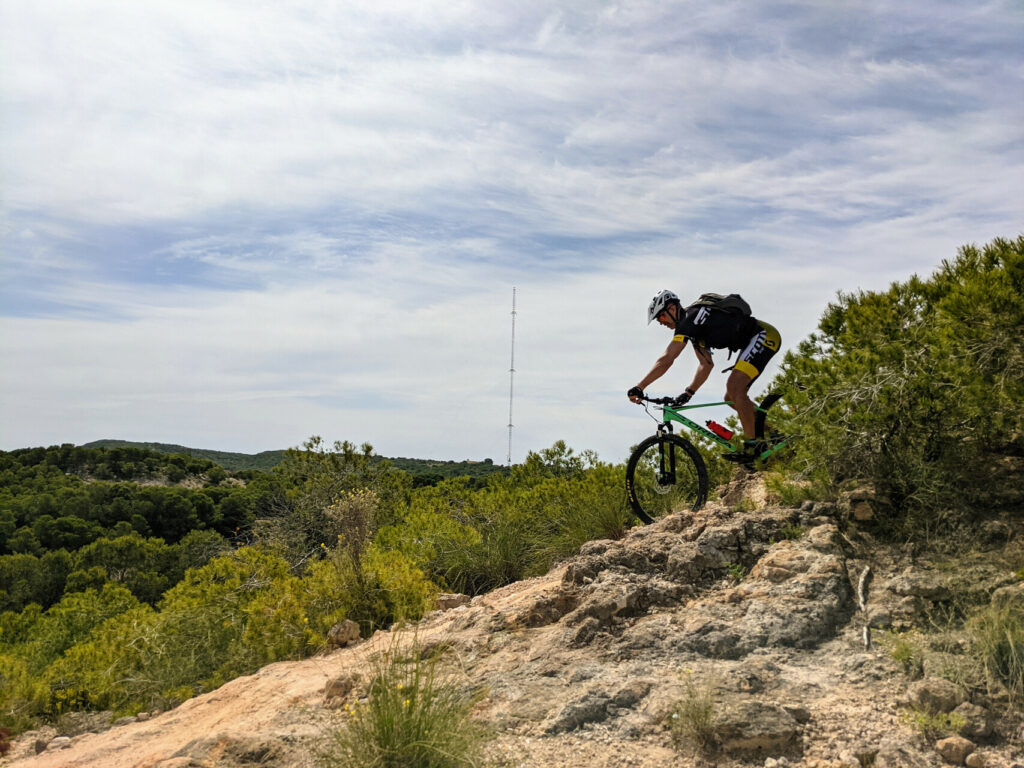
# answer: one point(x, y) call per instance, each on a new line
point(666, 477)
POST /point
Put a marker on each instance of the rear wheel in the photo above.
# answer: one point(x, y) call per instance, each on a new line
point(665, 473)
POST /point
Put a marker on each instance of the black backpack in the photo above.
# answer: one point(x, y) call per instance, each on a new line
point(734, 325)
point(733, 303)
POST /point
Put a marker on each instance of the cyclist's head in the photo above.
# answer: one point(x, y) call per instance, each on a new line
point(660, 303)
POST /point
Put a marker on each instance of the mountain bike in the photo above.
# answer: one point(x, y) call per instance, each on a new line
point(666, 471)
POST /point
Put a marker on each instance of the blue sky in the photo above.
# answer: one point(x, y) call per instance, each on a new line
point(237, 225)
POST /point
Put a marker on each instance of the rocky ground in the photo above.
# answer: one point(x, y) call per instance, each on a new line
point(764, 608)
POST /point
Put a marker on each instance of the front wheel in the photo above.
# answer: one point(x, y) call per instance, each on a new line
point(665, 473)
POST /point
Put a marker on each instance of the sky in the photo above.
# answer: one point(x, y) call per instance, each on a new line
point(235, 225)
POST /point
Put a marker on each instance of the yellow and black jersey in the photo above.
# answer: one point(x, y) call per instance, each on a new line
point(755, 340)
point(713, 329)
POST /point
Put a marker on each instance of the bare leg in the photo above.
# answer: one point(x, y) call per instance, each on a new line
point(736, 393)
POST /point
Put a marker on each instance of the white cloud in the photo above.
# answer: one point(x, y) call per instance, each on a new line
point(238, 225)
point(377, 361)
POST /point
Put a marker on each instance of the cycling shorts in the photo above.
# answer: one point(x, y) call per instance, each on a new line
point(759, 350)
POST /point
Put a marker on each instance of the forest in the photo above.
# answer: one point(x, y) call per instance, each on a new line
point(132, 579)
point(423, 471)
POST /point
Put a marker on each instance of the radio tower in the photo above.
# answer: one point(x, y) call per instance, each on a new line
point(511, 376)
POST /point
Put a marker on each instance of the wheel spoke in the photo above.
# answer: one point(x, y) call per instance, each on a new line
point(665, 474)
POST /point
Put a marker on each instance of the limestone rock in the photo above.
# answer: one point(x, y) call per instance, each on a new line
point(800, 714)
point(446, 601)
point(178, 762)
point(750, 727)
point(337, 690)
point(859, 503)
point(977, 721)
point(955, 749)
point(343, 633)
point(934, 695)
point(795, 596)
point(59, 742)
point(75, 723)
point(914, 583)
point(896, 752)
point(975, 760)
point(597, 705)
point(1009, 595)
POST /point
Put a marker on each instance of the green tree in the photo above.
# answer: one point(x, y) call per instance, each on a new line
point(916, 388)
point(316, 487)
point(147, 567)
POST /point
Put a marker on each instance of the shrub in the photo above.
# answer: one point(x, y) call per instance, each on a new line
point(472, 539)
point(414, 716)
point(792, 531)
point(23, 695)
point(790, 493)
point(997, 639)
point(325, 491)
point(693, 720)
point(913, 388)
point(933, 726)
point(906, 649)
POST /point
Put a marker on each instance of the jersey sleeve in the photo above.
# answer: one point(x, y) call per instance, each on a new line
point(680, 337)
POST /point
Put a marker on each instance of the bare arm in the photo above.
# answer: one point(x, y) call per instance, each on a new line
point(663, 363)
point(705, 365)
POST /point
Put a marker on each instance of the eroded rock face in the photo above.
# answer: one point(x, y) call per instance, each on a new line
point(795, 596)
point(596, 705)
point(796, 593)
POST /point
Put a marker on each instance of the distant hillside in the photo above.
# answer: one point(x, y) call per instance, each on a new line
point(426, 469)
point(234, 461)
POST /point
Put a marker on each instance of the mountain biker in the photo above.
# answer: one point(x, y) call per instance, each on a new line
point(710, 328)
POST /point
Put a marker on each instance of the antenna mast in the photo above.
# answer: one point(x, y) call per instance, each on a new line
point(511, 376)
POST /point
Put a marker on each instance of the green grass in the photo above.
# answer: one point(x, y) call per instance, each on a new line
point(906, 649)
point(414, 715)
point(737, 571)
point(935, 726)
point(997, 638)
point(693, 719)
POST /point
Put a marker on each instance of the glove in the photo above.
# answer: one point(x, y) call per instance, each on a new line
point(635, 392)
point(684, 398)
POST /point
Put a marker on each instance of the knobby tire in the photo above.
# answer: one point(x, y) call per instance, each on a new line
point(650, 500)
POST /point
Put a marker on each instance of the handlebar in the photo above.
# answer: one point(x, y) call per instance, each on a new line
point(660, 400)
point(673, 402)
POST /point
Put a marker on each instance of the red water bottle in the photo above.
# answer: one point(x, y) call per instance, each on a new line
point(719, 430)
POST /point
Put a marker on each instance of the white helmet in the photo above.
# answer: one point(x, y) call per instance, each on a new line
point(658, 304)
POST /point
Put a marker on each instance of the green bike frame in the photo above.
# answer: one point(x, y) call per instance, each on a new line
point(673, 413)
